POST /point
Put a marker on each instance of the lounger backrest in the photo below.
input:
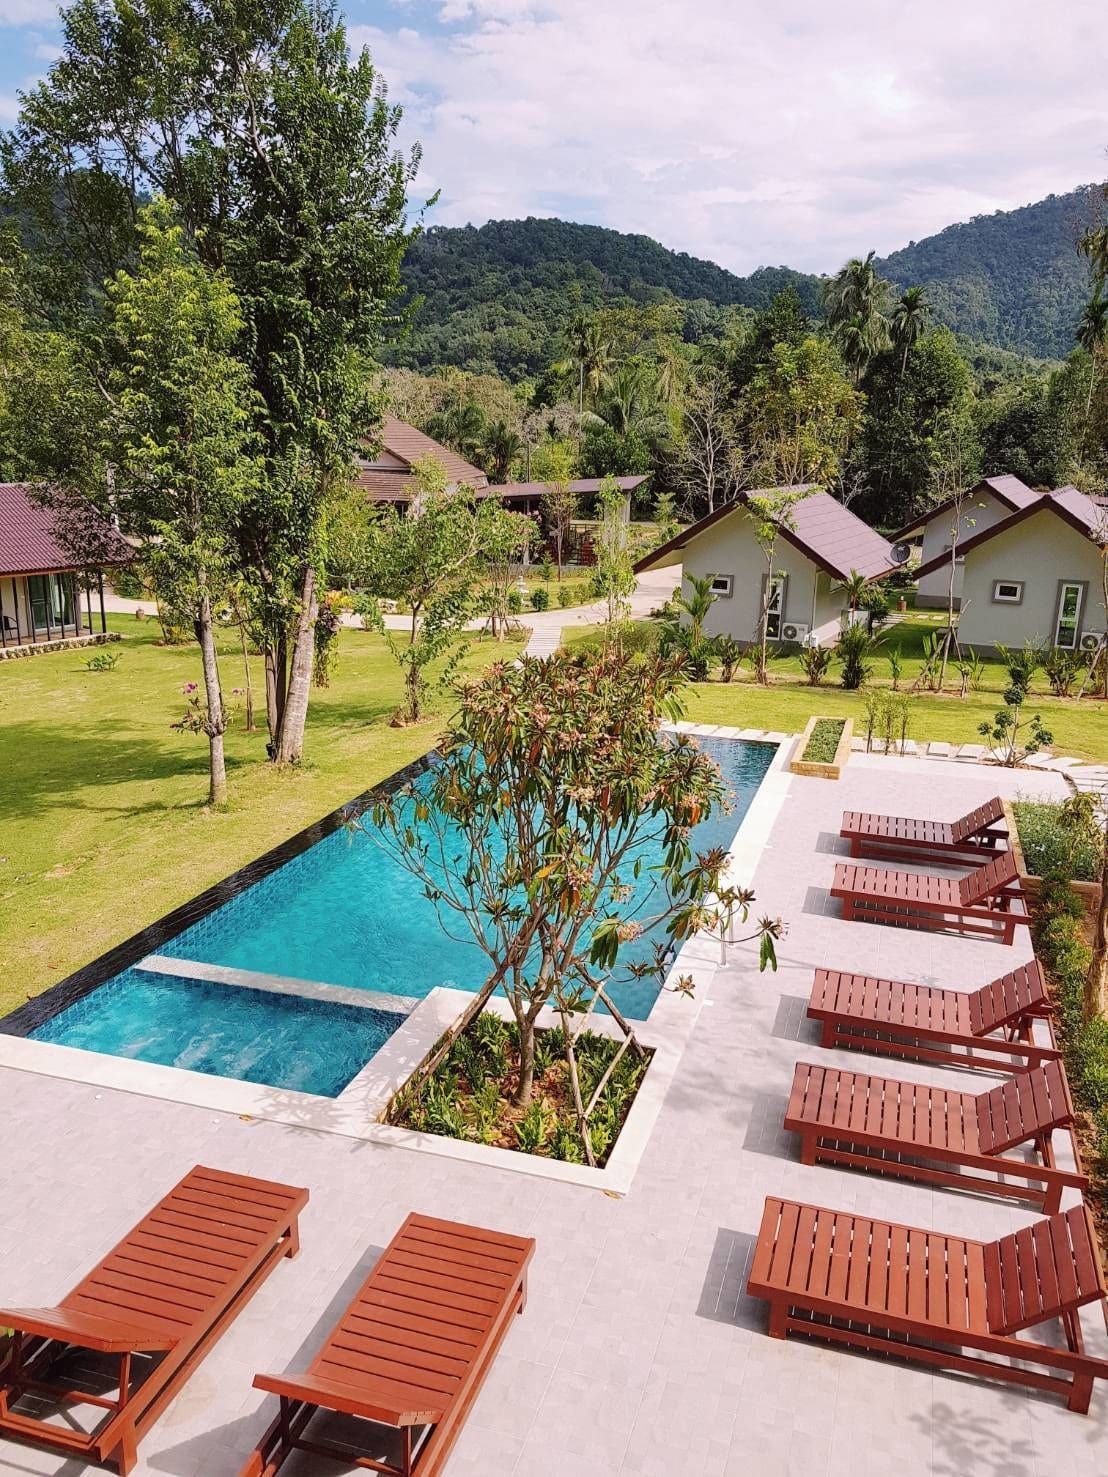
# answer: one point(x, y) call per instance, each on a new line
point(1018, 993)
point(204, 1238)
point(979, 819)
point(993, 877)
point(1026, 1105)
point(1046, 1269)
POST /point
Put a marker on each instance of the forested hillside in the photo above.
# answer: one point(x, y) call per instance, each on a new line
point(497, 298)
point(1013, 279)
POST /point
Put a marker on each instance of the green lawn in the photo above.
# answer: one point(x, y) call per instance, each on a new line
point(103, 821)
point(1079, 728)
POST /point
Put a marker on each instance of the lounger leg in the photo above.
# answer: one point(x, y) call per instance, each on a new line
point(522, 1293)
point(807, 1148)
point(293, 1240)
point(1081, 1392)
point(827, 1034)
point(127, 1455)
point(778, 1316)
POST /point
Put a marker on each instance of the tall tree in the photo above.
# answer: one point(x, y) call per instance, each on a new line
point(705, 463)
point(179, 437)
point(278, 152)
point(908, 322)
point(856, 301)
point(1092, 335)
point(798, 415)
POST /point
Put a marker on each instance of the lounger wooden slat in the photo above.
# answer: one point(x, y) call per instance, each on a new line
point(936, 1299)
point(990, 1027)
point(155, 1293)
point(957, 1139)
point(977, 836)
point(411, 1351)
point(988, 901)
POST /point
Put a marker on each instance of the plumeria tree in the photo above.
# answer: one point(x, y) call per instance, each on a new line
point(554, 829)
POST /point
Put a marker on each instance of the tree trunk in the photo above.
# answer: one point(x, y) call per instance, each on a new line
point(276, 687)
point(290, 741)
point(249, 690)
point(216, 723)
point(949, 612)
point(1096, 981)
point(526, 1060)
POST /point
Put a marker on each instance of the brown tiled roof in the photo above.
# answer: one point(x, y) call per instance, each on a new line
point(31, 541)
point(1082, 513)
point(1013, 493)
point(407, 445)
point(822, 529)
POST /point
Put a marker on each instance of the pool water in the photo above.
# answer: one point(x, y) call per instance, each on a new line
point(314, 1046)
point(345, 912)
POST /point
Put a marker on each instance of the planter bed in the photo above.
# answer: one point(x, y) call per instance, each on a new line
point(823, 748)
point(1032, 882)
point(471, 1095)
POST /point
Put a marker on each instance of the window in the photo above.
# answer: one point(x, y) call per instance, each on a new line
point(776, 606)
point(723, 586)
point(1071, 597)
point(1007, 592)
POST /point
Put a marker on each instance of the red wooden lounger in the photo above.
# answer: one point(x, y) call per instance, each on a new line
point(975, 836)
point(917, 1132)
point(159, 1300)
point(980, 903)
point(411, 1351)
point(897, 1290)
point(990, 1027)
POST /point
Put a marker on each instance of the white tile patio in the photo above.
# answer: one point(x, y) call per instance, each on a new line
point(639, 1352)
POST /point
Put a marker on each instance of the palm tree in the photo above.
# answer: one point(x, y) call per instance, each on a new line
point(461, 427)
point(1092, 334)
point(855, 300)
point(853, 588)
point(591, 353)
point(501, 448)
point(629, 406)
point(908, 322)
point(1094, 245)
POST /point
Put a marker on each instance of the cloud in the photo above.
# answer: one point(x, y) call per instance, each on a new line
point(747, 133)
point(24, 12)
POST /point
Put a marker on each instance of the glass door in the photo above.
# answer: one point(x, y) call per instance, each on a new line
point(776, 604)
point(1069, 615)
point(51, 594)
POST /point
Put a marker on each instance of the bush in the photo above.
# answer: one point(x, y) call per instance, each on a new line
point(540, 598)
point(515, 602)
point(854, 645)
point(1060, 837)
point(815, 662)
point(1062, 669)
point(1022, 664)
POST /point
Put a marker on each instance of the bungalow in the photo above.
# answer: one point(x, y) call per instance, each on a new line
point(41, 582)
point(990, 502)
point(819, 547)
point(388, 477)
point(1035, 575)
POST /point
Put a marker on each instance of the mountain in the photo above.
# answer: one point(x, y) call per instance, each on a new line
point(1014, 279)
point(498, 297)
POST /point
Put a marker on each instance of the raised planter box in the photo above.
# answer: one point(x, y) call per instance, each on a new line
point(1088, 892)
point(829, 769)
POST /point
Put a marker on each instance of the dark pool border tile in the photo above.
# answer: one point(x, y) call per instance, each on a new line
point(27, 1018)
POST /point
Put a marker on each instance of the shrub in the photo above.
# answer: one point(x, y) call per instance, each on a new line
point(547, 567)
point(1022, 664)
point(1062, 669)
point(815, 662)
point(1061, 836)
point(566, 596)
point(854, 645)
point(729, 654)
point(515, 602)
point(540, 598)
point(103, 661)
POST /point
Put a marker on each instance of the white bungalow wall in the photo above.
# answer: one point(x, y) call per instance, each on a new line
point(1041, 553)
point(981, 511)
point(729, 547)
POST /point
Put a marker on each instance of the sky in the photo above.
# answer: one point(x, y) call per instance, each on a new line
point(750, 132)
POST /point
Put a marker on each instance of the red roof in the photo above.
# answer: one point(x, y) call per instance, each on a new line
point(1084, 514)
point(821, 527)
point(388, 482)
point(31, 541)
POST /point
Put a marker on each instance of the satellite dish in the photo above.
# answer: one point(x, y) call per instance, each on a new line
point(901, 553)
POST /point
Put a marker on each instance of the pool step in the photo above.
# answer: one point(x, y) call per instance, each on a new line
point(277, 984)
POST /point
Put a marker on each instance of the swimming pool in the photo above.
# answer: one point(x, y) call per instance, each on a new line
point(339, 911)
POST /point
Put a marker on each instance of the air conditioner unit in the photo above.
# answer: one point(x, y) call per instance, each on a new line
point(794, 631)
point(1091, 640)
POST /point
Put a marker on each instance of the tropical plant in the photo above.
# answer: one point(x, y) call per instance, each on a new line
point(908, 322)
point(1022, 662)
point(500, 449)
point(683, 631)
point(729, 654)
point(855, 300)
point(1062, 669)
point(816, 662)
point(853, 587)
point(1092, 335)
point(854, 646)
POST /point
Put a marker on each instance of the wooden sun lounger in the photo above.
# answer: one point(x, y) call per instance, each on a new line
point(990, 1027)
point(411, 1351)
point(975, 837)
point(935, 1299)
point(926, 1133)
point(159, 1301)
point(984, 902)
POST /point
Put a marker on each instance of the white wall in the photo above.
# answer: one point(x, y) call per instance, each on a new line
point(12, 590)
point(1040, 552)
point(729, 547)
point(980, 512)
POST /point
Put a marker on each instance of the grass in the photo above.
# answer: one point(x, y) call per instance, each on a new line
point(1078, 727)
point(103, 817)
point(823, 741)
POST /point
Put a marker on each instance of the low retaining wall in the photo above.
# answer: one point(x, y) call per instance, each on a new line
point(823, 769)
point(1088, 892)
point(68, 643)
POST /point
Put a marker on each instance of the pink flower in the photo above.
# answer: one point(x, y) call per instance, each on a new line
point(189, 688)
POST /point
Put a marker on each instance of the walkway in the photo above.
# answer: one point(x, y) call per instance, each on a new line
point(639, 1352)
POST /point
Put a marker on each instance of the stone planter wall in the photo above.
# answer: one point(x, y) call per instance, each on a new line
point(1088, 892)
point(822, 769)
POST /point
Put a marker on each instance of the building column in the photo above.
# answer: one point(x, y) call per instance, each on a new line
point(103, 615)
